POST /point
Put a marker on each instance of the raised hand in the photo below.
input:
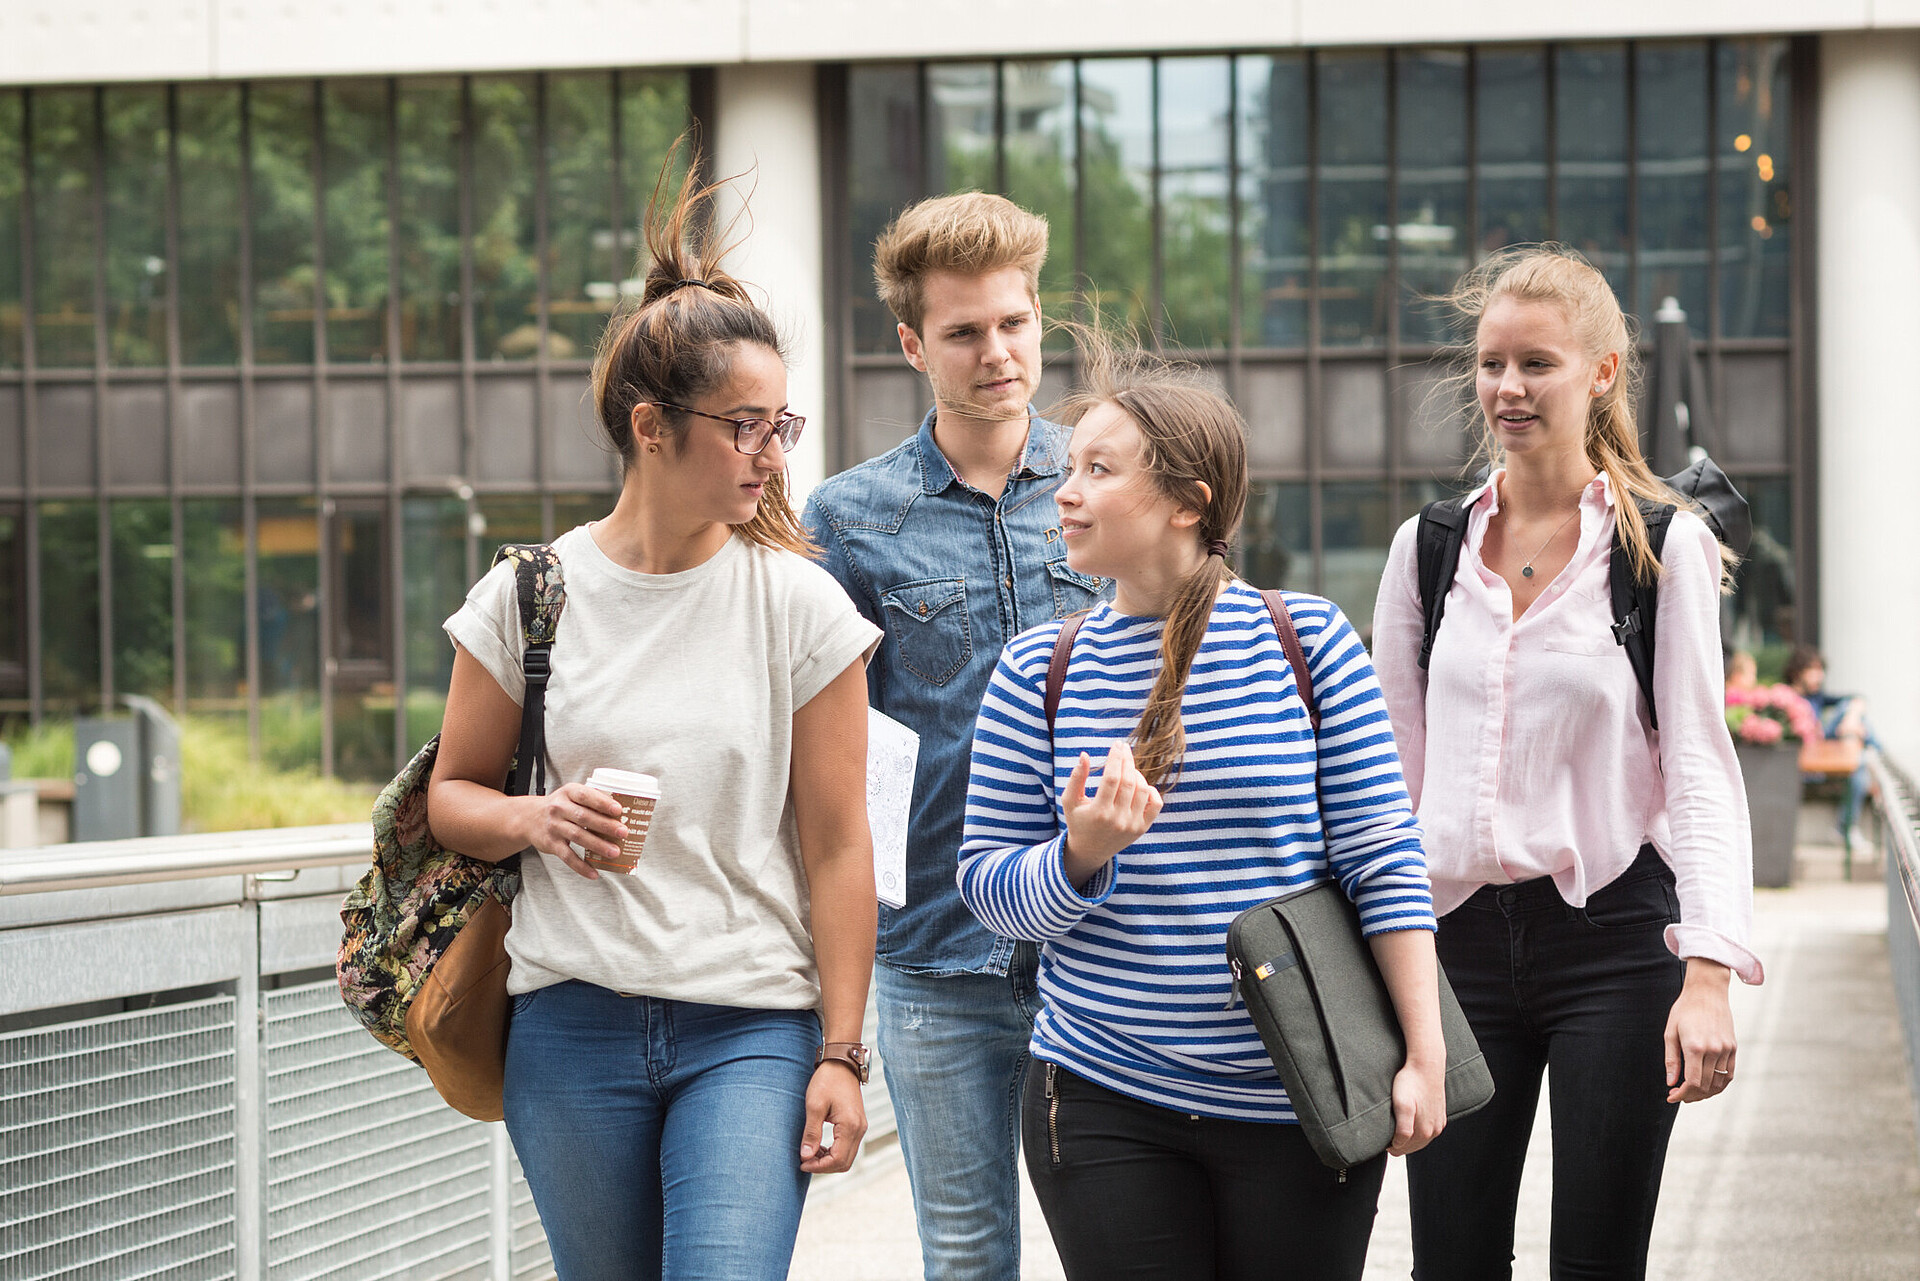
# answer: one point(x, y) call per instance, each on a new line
point(1117, 814)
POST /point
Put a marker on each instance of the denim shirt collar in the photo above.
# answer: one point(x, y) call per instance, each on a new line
point(1042, 456)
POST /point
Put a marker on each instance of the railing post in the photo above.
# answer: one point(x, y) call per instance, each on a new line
point(502, 1217)
point(250, 1109)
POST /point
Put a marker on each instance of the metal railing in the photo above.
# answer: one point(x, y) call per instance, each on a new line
point(183, 1095)
point(1900, 807)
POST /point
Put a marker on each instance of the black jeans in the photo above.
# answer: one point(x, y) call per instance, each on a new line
point(1132, 1191)
point(1583, 993)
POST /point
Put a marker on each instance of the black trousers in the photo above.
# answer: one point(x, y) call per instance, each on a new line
point(1582, 994)
point(1134, 1192)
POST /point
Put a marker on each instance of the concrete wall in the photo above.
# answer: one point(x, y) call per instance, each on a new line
point(1867, 258)
point(95, 40)
point(768, 131)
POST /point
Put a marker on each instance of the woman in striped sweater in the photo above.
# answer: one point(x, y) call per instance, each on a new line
point(1159, 1139)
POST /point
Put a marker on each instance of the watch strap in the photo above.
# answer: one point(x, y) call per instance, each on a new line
point(851, 1053)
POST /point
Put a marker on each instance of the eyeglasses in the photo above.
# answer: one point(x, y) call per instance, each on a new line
point(750, 435)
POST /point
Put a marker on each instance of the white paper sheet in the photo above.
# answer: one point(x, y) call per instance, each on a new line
point(892, 749)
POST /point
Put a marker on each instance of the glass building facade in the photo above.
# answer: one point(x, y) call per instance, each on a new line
point(282, 362)
point(1284, 219)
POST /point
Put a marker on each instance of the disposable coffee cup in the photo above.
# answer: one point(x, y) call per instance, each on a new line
point(637, 794)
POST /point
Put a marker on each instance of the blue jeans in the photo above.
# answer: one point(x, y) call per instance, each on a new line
point(1583, 995)
point(660, 1138)
point(955, 1051)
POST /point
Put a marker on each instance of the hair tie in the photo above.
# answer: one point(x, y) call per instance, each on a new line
point(1217, 547)
point(682, 284)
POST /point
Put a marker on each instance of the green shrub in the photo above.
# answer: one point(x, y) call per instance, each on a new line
point(221, 790)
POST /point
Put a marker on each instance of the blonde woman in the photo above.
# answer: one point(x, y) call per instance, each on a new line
point(1592, 876)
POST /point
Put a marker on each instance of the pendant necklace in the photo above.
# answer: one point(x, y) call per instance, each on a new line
point(1526, 570)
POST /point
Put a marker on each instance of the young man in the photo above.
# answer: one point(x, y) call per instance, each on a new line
point(951, 543)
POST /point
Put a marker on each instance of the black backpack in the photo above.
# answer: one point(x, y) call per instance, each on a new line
point(1443, 526)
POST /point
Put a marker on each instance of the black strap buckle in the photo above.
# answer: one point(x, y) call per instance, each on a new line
point(1628, 626)
point(539, 664)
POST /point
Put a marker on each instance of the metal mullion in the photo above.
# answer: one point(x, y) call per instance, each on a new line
point(1079, 212)
point(1000, 125)
point(1395, 428)
point(30, 415)
point(323, 513)
point(176, 513)
point(1236, 268)
point(542, 360)
point(1803, 337)
point(395, 594)
point(1715, 320)
point(249, 427)
point(922, 101)
point(1473, 156)
point(464, 218)
point(1633, 180)
point(1553, 141)
point(102, 451)
point(1156, 215)
point(831, 89)
point(1315, 427)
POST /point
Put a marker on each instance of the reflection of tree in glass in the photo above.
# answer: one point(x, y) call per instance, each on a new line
point(282, 193)
point(70, 605)
point(429, 122)
point(356, 218)
point(142, 568)
point(63, 226)
point(12, 179)
point(504, 267)
point(136, 186)
point(1039, 150)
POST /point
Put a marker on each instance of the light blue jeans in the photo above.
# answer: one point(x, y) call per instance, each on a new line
point(955, 1051)
point(661, 1139)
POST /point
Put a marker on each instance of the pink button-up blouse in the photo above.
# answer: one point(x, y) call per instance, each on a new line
point(1526, 744)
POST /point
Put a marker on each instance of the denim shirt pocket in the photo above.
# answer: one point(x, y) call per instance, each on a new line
point(928, 619)
point(1072, 590)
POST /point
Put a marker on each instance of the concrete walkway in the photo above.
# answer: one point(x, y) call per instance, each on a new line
point(1806, 1170)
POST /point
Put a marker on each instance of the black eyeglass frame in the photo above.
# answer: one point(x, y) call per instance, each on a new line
point(787, 427)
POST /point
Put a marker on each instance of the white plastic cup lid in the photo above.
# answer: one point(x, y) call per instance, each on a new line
point(625, 782)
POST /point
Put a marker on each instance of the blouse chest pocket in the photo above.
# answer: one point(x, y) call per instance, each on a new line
point(1582, 644)
point(928, 620)
point(1072, 590)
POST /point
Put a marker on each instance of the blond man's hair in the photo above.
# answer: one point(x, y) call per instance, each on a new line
point(970, 233)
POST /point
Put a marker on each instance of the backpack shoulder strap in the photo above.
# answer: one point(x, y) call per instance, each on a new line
point(1290, 641)
point(1636, 602)
point(540, 588)
point(1443, 527)
point(1062, 655)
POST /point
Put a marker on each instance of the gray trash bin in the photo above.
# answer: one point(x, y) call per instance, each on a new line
point(126, 774)
point(108, 791)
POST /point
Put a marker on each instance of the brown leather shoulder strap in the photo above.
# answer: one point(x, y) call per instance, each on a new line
point(1290, 641)
point(1057, 669)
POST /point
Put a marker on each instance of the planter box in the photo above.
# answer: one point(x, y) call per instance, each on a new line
point(1772, 775)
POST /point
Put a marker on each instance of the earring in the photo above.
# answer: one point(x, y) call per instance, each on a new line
point(653, 449)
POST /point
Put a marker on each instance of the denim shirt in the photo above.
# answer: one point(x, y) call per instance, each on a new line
point(950, 576)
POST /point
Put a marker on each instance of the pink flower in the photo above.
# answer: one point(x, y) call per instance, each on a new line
point(1761, 729)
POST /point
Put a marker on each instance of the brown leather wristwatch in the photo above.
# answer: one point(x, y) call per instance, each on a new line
point(851, 1053)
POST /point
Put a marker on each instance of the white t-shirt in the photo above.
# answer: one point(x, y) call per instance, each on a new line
point(694, 678)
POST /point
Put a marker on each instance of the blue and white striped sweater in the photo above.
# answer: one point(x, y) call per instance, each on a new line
point(1133, 972)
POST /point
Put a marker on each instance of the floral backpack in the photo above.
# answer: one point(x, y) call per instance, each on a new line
point(411, 906)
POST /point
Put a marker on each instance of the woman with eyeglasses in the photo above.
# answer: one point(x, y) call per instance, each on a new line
point(681, 1032)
